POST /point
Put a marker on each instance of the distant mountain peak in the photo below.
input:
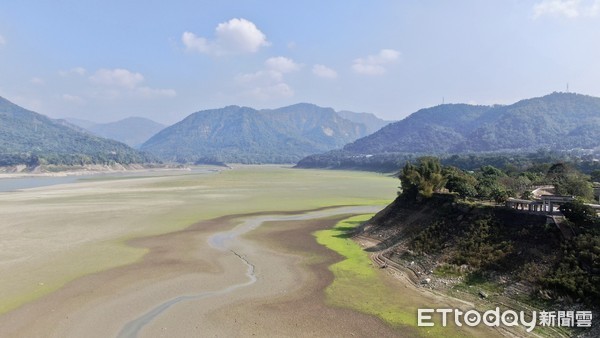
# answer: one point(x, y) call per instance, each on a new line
point(244, 134)
point(133, 131)
point(370, 121)
point(304, 105)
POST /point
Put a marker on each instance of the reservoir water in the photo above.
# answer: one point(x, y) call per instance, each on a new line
point(18, 183)
point(14, 184)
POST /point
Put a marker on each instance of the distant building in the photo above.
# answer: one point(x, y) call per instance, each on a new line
point(546, 204)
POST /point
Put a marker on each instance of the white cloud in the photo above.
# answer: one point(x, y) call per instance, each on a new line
point(117, 77)
point(122, 81)
point(324, 72)
point(241, 35)
point(282, 64)
point(37, 81)
point(570, 9)
point(268, 83)
point(232, 37)
point(2, 40)
point(375, 64)
point(196, 43)
point(73, 71)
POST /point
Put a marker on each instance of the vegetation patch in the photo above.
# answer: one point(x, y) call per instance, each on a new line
point(358, 286)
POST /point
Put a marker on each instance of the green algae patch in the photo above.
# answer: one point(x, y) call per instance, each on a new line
point(358, 285)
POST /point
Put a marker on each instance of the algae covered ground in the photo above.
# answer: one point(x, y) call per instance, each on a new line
point(361, 286)
point(52, 235)
point(357, 284)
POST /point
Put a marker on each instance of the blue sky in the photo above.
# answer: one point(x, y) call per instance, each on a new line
point(106, 60)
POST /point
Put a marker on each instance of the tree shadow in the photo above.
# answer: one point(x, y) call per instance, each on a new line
point(347, 231)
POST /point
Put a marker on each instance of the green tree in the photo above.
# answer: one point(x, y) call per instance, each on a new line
point(595, 175)
point(422, 180)
point(569, 181)
point(499, 195)
point(527, 195)
point(460, 182)
point(583, 216)
point(489, 186)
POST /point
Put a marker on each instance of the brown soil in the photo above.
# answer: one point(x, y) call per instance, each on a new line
point(181, 263)
point(304, 312)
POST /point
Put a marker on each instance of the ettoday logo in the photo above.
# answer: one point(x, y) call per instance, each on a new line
point(508, 318)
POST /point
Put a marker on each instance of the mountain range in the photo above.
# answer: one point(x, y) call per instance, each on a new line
point(247, 135)
point(30, 138)
point(133, 131)
point(230, 134)
point(558, 121)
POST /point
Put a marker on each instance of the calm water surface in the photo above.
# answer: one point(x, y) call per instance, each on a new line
point(19, 183)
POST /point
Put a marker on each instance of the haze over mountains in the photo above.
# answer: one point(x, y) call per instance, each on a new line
point(133, 131)
point(371, 122)
point(558, 121)
point(242, 134)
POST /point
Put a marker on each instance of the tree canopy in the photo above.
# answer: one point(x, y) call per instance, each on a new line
point(422, 180)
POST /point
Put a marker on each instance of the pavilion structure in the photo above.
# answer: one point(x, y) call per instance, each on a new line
point(547, 204)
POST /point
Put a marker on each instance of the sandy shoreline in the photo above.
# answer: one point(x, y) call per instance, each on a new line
point(92, 171)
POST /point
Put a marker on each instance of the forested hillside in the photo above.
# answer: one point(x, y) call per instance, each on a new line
point(32, 139)
point(246, 135)
point(555, 122)
point(451, 229)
